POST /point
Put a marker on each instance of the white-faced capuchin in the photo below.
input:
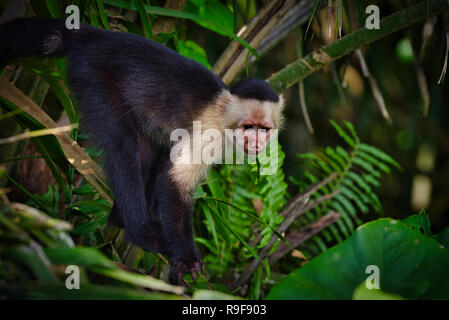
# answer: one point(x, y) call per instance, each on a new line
point(133, 93)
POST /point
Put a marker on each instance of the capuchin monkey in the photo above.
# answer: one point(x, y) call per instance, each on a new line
point(133, 93)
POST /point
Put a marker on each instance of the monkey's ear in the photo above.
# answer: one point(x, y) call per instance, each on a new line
point(223, 101)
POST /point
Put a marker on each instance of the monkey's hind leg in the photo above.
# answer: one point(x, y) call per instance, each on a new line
point(176, 216)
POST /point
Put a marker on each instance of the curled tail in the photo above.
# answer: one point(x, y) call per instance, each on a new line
point(27, 37)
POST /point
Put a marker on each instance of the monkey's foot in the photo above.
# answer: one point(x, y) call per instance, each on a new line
point(179, 268)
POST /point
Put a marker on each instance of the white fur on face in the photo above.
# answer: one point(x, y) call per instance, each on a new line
point(233, 109)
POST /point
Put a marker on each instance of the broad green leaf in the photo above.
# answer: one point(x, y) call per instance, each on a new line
point(205, 22)
point(411, 265)
point(192, 50)
point(420, 222)
point(81, 256)
point(214, 10)
point(443, 237)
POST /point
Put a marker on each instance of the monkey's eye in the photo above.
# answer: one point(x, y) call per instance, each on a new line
point(248, 127)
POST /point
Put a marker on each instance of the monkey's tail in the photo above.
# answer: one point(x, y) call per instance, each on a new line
point(28, 37)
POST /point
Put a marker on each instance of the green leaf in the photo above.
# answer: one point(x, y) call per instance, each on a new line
point(443, 238)
point(343, 153)
point(88, 205)
point(366, 166)
point(342, 133)
point(92, 225)
point(312, 16)
point(334, 155)
point(351, 195)
point(235, 234)
point(210, 221)
point(420, 222)
point(192, 50)
point(102, 13)
point(352, 131)
point(84, 190)
point(205, 22)
point(164, 37)
point(81, 256)
point(143, 17)
point(371, 180)
point(214, 10)
point(380, 154)
point(366, 157)
point(53, 7)
point(410, 264)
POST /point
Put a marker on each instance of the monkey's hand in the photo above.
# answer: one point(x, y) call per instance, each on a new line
point(190, 264)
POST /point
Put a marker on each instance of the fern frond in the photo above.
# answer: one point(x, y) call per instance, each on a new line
point(359, 167)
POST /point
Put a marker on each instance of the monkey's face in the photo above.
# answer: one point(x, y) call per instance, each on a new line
point(251, 118)
point(256, 134)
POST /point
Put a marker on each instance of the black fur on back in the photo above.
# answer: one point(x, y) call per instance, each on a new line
point(124, 68)
point(254, 89)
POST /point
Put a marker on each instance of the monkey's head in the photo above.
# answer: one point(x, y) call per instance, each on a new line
point(254, 108)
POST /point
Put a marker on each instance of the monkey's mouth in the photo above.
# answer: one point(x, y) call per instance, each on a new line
point(256, 136)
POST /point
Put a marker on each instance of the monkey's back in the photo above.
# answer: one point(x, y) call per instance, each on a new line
point(134, 71)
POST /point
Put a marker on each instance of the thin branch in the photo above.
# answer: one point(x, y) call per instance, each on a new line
point(374, 86)
point(301, 94)
point(303, 196)
point(302, 103)
point(427, 32)
point(421, 76)
point(39, 133)
point(296, 238)
point(354, 16)
point(443, 72)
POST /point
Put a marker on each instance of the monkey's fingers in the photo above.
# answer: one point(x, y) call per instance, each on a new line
point(197, 267)
point(193, 273)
